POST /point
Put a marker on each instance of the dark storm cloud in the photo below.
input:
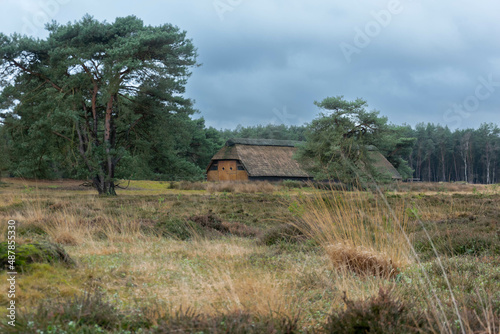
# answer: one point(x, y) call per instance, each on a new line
point(268, 61)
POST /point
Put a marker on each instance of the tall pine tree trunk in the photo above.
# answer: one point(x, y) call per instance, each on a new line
point(488, 162)
point(465, 143)
point(443, 164)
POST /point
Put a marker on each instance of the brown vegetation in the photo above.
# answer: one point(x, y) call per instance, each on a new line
point(278, 260)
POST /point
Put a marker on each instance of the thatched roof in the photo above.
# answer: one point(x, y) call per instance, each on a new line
point(274, 158)
point(263, 157)
point(381, 164)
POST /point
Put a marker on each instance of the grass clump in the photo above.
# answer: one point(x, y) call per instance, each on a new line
point(361, 261)
point(356, 231)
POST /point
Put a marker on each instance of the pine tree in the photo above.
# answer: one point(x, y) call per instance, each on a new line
point(96, 86)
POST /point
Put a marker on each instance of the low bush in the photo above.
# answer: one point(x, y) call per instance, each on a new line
point(449, 239)
point(86, 313)
point(25, 254)
point(380, 314)
point(237, 322)
point(242, 230)
point(33, 229)
point(287, 233)
point(177, 228)
point(188, 185)
point(91, 313)
point(290, 184)
point(207, 226)
point(210, 221)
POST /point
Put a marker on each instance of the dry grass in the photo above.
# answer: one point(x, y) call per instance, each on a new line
point(226, 275)
point(62, 221)
point(364, 244)
point(246, 187)
point(443, 187)
point(357, 231)
point(242, 187)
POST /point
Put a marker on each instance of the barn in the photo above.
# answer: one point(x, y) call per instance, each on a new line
point(256, 159)
point(382, 165)
point(244, 159)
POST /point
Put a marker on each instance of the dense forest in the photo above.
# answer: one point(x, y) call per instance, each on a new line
point(438, 153)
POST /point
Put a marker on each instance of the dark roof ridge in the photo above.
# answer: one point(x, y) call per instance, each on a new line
point(262, 142)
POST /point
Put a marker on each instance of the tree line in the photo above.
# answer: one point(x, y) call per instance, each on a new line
point(436, 153)
point(469, 155)
point(185, 148)
point(104, 101)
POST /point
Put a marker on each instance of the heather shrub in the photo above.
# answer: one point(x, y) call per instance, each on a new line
point(209, 221)
point(236, 323)
point(86, 313)
point(287, 233)
point(177, 228)
point(379, 314)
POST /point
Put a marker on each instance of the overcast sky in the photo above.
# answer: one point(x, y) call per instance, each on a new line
point(267, 61)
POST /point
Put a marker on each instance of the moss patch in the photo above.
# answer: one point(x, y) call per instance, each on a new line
point(26, 254)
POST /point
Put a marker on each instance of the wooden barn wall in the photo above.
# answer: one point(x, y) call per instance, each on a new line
point(227, 171)
point(213, 175)
point(241, 175)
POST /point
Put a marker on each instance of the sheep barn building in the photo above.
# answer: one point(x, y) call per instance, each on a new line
point(269, 159)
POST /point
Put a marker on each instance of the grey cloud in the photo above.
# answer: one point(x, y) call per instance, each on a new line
point(285, 54)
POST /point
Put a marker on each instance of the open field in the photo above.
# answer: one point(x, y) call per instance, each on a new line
point(216, 258)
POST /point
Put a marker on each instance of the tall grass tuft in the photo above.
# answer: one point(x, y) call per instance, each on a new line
point(356, 231)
